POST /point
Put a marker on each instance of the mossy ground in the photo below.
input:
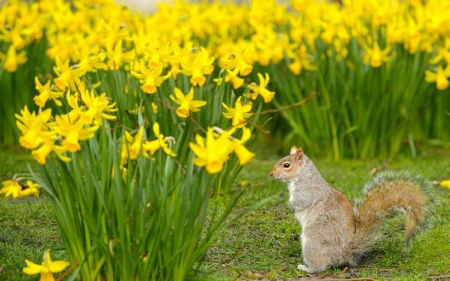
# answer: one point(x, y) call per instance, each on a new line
point(263, 243)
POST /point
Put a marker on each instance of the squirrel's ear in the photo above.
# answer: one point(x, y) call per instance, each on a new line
point(299, 155)
point(293, 150)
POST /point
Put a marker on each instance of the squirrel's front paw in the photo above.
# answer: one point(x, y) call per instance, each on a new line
point(303, 267)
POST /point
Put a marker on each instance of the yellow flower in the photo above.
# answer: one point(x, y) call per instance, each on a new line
point(261, 89)
point(238, 61)
point(45, 93)
point(212, 152)
point(116, 56)
point(445, 183)
point(375, 57)
point(186, 103)
point(440, 77)
point(243, 154)
point(239, 113)
point(97, 106)
point(232, 77)
point(197, 64)
point(13, 59)
point(131, 147)
point(11, 188)
point(40, 154)
point(33, 127)
point(73, 131)
point(67, 75)
point(160, 143)
point(151, 78)
point(31, 189)
point(46, 269)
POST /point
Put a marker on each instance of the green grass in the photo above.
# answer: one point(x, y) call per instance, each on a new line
point(263, 243)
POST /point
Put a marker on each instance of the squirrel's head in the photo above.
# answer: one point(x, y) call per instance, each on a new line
point(287, 168)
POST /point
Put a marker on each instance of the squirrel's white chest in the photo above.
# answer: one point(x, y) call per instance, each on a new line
point(302, 217)
point(300, 214)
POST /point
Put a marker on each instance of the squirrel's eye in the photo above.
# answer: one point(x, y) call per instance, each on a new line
point(286, 165)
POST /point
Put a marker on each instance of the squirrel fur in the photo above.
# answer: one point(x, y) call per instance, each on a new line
point(334, 233)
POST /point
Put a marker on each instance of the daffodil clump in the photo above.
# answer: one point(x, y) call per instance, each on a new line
point(134, 129)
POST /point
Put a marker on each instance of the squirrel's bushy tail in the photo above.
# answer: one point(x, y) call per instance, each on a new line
point(386, 195)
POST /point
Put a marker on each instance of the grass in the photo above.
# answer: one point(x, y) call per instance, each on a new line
point(263, 243)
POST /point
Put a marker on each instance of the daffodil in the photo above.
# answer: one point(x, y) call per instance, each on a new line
point(46, 269)
point(212, 152)
point(131, 147)
point(45, 93)
point(232, 77)
point(261, 89)
point(12, 59)
point(239, 114)
point(48, 145)
point(375, 56)
point(67, 76)
point(445, 183)
point(116, 56)
point(443, 53)
point(97, 108)
point(243, 154)
point(73, 131)
point(440, 77)
point(186, 103)
point(33, 127)
point(151, 78)
point(160, 143)
point(31, 189)
point(11, 188)
point(197, 64)
point(238, 61)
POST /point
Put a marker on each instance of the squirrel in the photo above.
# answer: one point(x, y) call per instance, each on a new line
point(333, 232)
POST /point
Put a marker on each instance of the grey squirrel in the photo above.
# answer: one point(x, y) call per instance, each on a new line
point(333, 232)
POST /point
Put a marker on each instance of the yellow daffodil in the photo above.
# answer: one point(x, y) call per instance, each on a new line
point(90, 59)
point(445, 183)
point(151, 78)
point(45, 93)
point(97, 108)
point(375, 56)
point(131, 147)
point(239, 113)
point(232, 77)
point(73, 131)
point(243, 154)
point(11, 188)
point(67, 76)
point(239, 62)
point(197, 64)
point(33, 127)
point(186, 103)
point(31, 189)
point(160, 143)
point(12, 59)
point(440, 77)
point(116, 56)
point(261, 89)
point(40, 154)
point(46, 269)
point(213, 151)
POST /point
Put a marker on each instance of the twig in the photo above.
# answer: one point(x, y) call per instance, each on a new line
point(438, 277)
point(1, 268)
point(287, 107)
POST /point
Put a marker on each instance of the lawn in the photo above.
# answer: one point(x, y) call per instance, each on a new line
point(264, 242)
